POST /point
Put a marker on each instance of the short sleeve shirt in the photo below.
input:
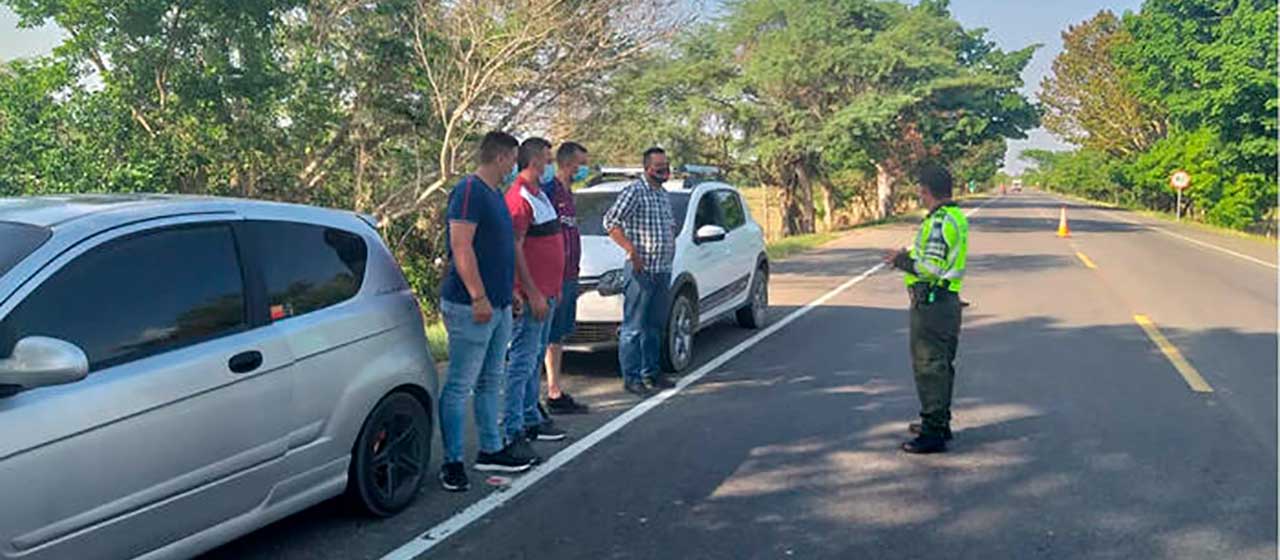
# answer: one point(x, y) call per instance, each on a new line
point(472, 201)
point(534, 217)
point(562, 197)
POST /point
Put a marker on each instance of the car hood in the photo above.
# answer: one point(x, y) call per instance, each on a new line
point(600, 255)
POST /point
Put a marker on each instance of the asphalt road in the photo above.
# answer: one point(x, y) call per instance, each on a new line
point(1077, 435)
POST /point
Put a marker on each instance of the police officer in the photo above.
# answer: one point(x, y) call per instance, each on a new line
point(934, 267)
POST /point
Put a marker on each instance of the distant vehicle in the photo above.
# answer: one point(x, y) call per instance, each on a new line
point(1017, 185)
point(179, 371)
point(720, 266)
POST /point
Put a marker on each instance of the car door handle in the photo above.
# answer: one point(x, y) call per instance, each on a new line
point(245, 362)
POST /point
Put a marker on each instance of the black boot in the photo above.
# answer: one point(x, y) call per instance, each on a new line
point(925, 444)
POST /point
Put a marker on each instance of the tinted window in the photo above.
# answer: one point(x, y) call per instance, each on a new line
point(591, 207)
point(708, 212)
point(731, 213)
point(307, 267)
point(19, 241)
point(138, 296)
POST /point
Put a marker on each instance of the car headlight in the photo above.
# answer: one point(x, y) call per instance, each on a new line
point(612, 283)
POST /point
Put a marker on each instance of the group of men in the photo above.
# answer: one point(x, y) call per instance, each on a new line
point(509, 297)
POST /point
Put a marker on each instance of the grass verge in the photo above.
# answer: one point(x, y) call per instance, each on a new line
point(1170, 219)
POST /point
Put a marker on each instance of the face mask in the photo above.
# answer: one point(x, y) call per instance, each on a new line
point(661, 175)
point(548, 174)
point(581, 174)
point(510, 177)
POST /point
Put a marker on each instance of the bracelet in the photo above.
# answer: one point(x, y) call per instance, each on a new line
point(480, 299)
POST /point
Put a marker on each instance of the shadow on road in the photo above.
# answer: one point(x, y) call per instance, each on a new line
point(793, 451)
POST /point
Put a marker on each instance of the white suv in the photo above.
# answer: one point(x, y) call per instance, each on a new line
point(720, 267)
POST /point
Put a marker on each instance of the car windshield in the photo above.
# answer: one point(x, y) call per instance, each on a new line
point(591, 207)
point(19, 241)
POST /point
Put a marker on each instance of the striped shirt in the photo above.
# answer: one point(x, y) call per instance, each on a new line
point(644, 214)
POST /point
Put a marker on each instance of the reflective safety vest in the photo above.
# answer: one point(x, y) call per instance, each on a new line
point(941, 248)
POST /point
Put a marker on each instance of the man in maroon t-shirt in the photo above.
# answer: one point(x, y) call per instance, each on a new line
point(539, 272)
point(571, 166)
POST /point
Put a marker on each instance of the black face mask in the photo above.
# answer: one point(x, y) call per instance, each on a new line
point(660, 175)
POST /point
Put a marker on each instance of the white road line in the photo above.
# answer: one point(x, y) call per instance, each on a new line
point(1120, 216)
point(496, 499)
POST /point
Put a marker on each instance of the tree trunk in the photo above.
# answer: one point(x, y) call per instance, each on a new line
point(364, 198)
point(797, 202)
point(884, 192)
point(828, 208)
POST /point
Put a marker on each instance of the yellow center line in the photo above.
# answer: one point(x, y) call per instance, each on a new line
point(1189, 373)
point(1085, 259)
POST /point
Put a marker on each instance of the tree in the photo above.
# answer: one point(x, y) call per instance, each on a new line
point(1090, 99)
point(1211, 63)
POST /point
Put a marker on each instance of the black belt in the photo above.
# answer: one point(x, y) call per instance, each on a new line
point(544, 229)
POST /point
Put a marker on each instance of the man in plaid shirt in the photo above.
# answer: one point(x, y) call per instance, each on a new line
point(641, 222)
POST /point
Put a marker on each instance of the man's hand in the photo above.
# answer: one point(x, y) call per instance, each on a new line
point(891, 255)
point(481, 310)
point(637, 262)
point(538, 305)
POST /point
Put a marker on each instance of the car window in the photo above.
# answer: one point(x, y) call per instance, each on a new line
point(732, 215)
point(708, 212)
point(19, 241)
point(591, 207)
point(306, 267)
point(138, 296)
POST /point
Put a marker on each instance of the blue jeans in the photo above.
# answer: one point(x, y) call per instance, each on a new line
point(524, 382)
point(476, 355)
point(644, 317)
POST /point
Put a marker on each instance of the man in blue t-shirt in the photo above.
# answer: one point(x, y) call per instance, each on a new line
point(476, 300)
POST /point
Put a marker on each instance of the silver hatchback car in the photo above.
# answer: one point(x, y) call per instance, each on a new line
point(178, 371)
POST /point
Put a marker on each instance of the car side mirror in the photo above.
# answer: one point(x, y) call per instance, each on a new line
point(709, 233)
point(39, 361)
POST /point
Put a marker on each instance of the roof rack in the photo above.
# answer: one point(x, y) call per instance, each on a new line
point(692, 175)
point(698, 174)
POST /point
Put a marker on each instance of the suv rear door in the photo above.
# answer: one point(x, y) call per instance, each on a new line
point(741, 241)
point(183, 419)
point(711, 262)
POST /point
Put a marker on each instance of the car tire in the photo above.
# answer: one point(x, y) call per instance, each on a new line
point(755, 314)
point(677, 339)
point(391, 456)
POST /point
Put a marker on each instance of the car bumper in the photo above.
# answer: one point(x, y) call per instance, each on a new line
point(592, 337)
point(597, 322)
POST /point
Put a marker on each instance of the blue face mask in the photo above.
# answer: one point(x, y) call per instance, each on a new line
point(581, 174)
point(511, 176)
point(548, 174)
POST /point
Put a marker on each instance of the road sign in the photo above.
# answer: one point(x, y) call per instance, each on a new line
point(1180, 180)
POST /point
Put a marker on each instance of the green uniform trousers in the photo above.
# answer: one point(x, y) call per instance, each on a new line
point(935, 335)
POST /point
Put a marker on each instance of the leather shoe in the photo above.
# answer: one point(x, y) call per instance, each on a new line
point(915, 429)
point(637, 388)
point(924, 445)
point(659, 382)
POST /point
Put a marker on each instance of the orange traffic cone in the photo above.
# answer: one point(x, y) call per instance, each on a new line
point(1063, 229)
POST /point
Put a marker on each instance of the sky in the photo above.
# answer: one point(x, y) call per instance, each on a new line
point(1012, 24)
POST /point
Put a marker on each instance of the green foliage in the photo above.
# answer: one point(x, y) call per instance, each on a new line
point(1210, 67)
point(819, 95)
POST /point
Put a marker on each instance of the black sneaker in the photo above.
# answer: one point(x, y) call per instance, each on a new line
point(503, 461)
point(925, 444)
point(520, 449)
point(637, 388)
point(566, 405)
point(546, 431)
point(659, 382)
point(453, 477)
point(915, 429)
